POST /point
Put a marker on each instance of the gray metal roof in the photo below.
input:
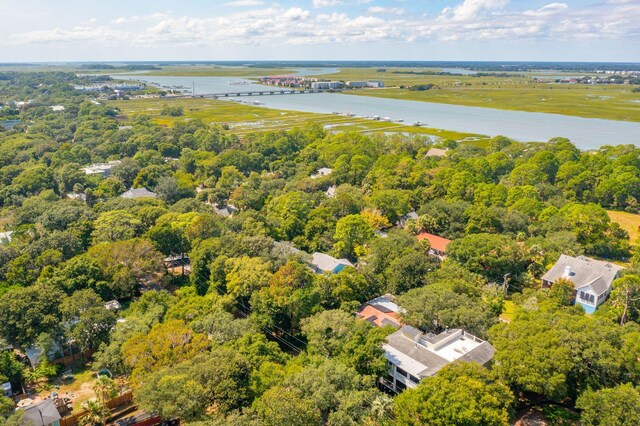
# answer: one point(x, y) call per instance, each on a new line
point(134, 193)
point(427, 362)
point(225, 211)
point(42, 414)
point(327, 263)
point(425, 354)
point(584, 271)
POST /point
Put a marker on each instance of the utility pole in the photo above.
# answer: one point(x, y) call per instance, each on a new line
point(505, 283)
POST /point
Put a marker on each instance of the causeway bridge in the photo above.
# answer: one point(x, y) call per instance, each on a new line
point(257, 93)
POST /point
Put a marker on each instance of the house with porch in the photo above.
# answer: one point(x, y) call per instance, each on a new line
point(592, 279)
point(413, 355)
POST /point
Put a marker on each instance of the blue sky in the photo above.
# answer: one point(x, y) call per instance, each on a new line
point(88, 30)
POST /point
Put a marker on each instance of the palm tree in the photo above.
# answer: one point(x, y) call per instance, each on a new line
point(97, 413)
point(105, 389)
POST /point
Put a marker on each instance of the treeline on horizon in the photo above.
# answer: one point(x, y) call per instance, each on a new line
point(521, 66)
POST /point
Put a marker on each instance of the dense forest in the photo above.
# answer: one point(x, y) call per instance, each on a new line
point(249, 334)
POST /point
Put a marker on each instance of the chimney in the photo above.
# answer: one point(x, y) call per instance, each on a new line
point(567, 271)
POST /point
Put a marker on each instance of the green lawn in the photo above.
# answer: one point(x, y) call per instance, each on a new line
point(509, 311)
point(629, 222)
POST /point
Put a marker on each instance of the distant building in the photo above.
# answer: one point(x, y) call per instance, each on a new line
point(135, 193)
point(331, 191)
point(592, 279)
point(321, 263)
point(438, 244)
point(103, 169)
point(5, 237)
point(375, 84)
point(322, 172)
point(57, 108)
point(436, 152)
point(113, 305)
point(413, 355)
point(325, 85)
point(6, 389)
point(77, 196)
point(98, 87)
point(357, 84)
point(286, 248)
point(225, 211)
point(402, 222)
point(381, 311)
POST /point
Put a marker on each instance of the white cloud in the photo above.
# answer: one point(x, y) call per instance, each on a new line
point(549, 9)
point(326, 3)
point(473, 20)
point(296, 14)
point(472, 9)
point(136, 18)
point(386, 10)
point(244, 3)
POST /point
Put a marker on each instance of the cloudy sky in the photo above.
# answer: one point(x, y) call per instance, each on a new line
point(90, 30)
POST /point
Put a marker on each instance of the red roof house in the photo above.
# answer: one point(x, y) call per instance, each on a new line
point(438, 244)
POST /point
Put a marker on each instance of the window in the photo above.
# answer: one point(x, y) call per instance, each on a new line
point(400, 385)
point(414, 379)
point(401, 372)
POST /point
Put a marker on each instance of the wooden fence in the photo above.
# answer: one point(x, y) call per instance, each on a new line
point(74, 419)
point(71, 359)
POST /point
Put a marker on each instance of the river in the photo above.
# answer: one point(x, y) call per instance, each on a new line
point(585, 133)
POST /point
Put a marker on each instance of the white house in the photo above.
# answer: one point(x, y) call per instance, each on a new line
point(324, 85)
point(103, 169)
point(592, 279)
point(331, 191)
point(413, 355)
point(322, 172)
point(321, 263)
point(5, 237)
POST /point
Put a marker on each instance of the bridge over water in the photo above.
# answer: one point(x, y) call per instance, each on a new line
point(257, 93)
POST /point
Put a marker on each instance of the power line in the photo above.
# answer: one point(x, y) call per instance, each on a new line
point(249, 311)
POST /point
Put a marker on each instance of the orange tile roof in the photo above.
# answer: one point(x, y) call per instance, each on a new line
point(437, 243)
point(377, 317)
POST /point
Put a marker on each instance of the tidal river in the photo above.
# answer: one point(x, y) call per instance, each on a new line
point(585, 133)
